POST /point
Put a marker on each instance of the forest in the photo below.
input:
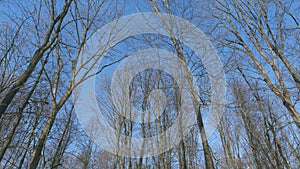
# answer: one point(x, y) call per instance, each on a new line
point(150, 84)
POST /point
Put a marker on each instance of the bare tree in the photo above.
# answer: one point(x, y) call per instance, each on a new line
point(49, 39)
point(41, 44)
point(261, 35)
